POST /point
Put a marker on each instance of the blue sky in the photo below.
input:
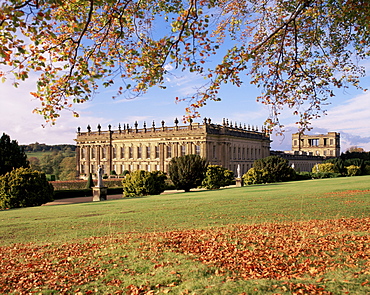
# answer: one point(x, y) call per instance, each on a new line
point(348, 113)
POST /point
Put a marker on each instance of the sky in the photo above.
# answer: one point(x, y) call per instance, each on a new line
point(348, 113)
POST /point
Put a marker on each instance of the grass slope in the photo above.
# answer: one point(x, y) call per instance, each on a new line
point(288, 238)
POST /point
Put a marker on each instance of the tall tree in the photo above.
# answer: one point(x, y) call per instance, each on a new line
point(296, 51)
point(187, 171)
point(11, 155)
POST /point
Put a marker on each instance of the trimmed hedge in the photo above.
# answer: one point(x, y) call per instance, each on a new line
point(81, 184)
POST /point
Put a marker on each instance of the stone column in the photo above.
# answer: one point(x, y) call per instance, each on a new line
point(88, 160)
point(161, 156)
point(78, 161)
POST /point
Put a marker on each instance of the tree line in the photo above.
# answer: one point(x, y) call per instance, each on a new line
point(42, 147)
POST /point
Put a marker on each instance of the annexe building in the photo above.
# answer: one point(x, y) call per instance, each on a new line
point(324, 145)
point(151, 148)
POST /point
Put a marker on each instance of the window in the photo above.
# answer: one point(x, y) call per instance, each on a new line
point(93, 153)
point(234, 153)
point(83, 153)
point(130, 153)
point(197, 149)
point(295, 142)
point(104, 152)
point(214, 152)
point(122, 168)
point(169, 151)
point(122, 152)
point(239, 157)
point(148, 152)
point(114, 151)
point(157, 167)
point(157, 152)
point(183, 150)
point(148, 168)
point(82, 169)
point(139, 152)
point(331, 141)
point(92, 168)
point(313, 142)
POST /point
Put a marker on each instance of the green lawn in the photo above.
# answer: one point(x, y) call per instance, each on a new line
point(149, 244)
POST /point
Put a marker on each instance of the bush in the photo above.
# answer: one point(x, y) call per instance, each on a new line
point(304, 175)
point(353, 170)
point(367, 170)
point(324, 167)
point(124, 172)
point(142, 183)
point(24, 187)
point(217, 176)
point(254, 176)
point(338, 165)
point(187, 171)
point(274, 169)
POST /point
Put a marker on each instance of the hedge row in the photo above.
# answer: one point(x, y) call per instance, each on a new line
point(81, 184)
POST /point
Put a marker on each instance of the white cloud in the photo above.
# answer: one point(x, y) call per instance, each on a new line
point(18, 121)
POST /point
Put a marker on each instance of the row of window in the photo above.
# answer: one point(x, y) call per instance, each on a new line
point(316, 142)
point(141, 152)
point(238, 153)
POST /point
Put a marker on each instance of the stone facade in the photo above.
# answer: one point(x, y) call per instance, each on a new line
point(324, 145)
point(151, 148)
point(300, 161)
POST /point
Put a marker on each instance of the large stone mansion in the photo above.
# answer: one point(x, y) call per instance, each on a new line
point(229, 145)
point(151, 148)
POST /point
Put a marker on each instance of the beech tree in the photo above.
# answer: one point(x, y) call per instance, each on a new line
point(296, 51)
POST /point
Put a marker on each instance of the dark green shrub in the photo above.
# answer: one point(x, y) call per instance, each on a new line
point(12, 156)
point(113, 172)
point(24, 187)
point(142, 183)
point(367, 170)
point(274, 169)
point(304, 175)
point(124, 172)
point(187, 171)
point(338, 165)
point(90, 182)
point(217, 176)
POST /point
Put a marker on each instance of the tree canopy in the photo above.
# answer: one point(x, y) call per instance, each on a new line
point(296, 51)
point(12, 156)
